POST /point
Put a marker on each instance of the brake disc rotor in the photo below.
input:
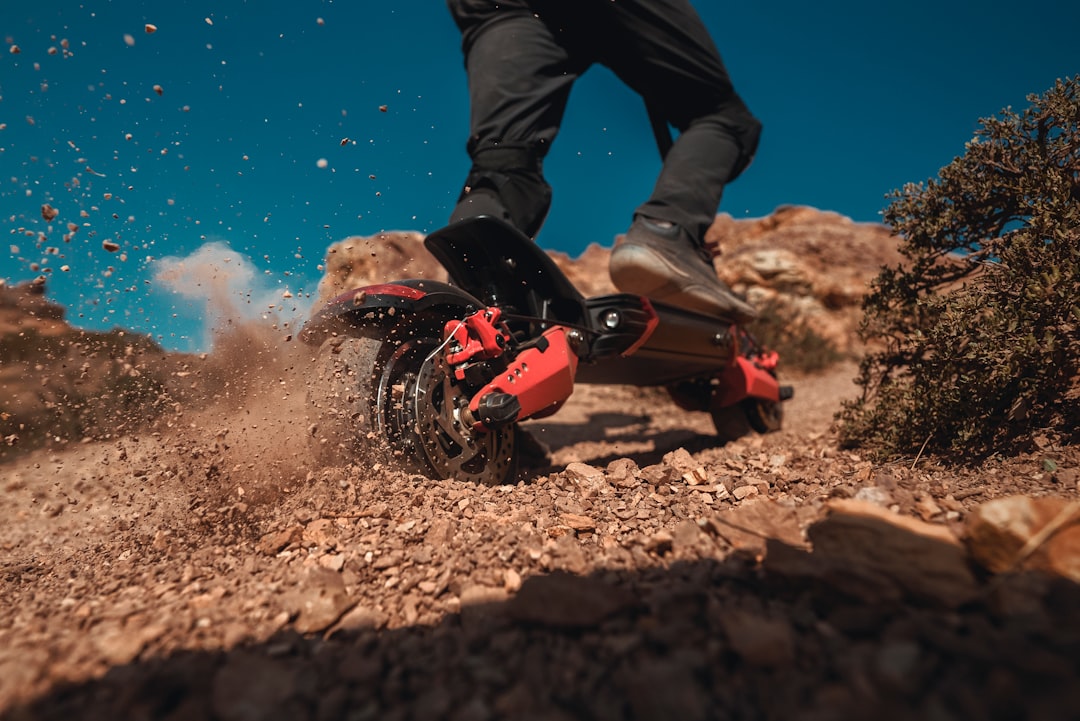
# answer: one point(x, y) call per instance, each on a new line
point(426, 419)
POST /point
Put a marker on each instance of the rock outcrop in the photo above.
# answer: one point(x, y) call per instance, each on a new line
point(366, 260)
point(58, 382)
point(813, 265)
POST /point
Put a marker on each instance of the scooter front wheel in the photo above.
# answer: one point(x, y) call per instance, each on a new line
point(385, 398)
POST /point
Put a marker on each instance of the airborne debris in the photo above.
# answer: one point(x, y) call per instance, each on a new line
point(158, 89)
point(150, 28)
point(110, 245)
point(49, 213)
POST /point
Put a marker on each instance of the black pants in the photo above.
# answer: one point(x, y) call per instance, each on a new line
point(523, 56)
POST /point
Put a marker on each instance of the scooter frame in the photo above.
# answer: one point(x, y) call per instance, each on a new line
point(503, 286)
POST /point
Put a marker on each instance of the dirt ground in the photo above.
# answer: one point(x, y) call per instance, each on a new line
point(169, 550)
point(201, 567)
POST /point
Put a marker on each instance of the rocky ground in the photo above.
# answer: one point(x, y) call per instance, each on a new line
point(198, 565)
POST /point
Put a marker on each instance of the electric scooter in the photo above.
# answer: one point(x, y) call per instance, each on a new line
point(437, 376)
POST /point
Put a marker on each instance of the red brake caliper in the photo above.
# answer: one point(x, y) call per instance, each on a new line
point(535, 384)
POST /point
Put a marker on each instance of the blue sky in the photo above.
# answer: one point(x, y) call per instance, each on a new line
point(266, 139)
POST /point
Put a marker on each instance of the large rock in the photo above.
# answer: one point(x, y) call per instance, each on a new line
point(920, 560)
point(748, 526)
point(998, 531)
point(813, 265)
point(589, 271)
point(836, 254)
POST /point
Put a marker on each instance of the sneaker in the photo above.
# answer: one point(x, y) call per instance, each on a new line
point(657, 260)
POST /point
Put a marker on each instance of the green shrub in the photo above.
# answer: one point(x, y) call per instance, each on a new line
point(977, 349)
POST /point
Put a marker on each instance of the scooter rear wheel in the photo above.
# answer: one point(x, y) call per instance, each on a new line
point(764, 416)
point(731, 423)
point(382, 398)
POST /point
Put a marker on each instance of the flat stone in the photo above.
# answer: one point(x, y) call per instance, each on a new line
point(333, 561)
point(926, 561)
point(876, 495)
point(743, 492)
point(686, 534)
point(622, 472)
point(680, 460)
point(320, 532)
point(747, 526)
point(318, 601)
point(998, 530)
point(121, 644)
point(273, 543)
point(802, 565)
point(578, 522)
point(578, 471)
point(361, 618)
point(695, 477)
point(440, 533)
point(478, 594)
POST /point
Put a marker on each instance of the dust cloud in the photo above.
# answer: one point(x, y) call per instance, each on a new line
point(230, 289)
point(247, 395)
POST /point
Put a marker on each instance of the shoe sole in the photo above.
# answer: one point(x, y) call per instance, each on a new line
point(640, 271)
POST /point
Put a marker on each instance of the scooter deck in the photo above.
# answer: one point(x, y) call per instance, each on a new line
point(676, 345)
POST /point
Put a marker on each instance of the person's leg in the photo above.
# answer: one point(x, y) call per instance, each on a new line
point(663, 51)
point(519, 81)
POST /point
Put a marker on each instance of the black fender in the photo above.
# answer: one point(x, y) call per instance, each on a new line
point(497, 263)
point(386, 305)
